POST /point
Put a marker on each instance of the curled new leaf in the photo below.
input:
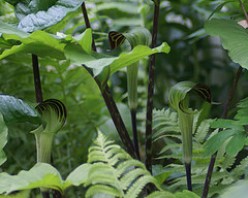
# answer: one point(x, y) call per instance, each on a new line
point(137, 36)
point(179, 100)
point(53, 114)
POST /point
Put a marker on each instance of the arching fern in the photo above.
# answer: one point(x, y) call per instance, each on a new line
point(114, 172)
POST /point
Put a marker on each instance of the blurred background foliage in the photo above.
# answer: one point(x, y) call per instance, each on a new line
point(194, 57)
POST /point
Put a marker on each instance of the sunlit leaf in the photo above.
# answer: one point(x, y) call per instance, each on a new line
point(78, 176)
point(125, 59)
point(39, 43)
point(41, 175)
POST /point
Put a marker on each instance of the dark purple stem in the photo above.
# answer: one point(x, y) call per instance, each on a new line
point(109, 101)
point(149, 105)
point(37, 84)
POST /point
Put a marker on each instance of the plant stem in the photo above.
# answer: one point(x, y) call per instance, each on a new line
point(87, 23)
point(149, 106)
point(39, 99)
point(37, 84)
point(132, 85)
point(109, 101)
point(135, 134)
point(224, 115)
point(188, 175)
point(116, 117)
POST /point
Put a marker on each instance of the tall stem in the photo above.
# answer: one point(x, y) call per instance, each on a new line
point(135, 133)
point(188, 176)
point(87, 22)
point(36, 74)
point(132, 84)
point(149, 105)
point(224, 115)
point(110, 103)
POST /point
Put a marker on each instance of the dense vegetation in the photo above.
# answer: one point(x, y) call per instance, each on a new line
point(83, 113)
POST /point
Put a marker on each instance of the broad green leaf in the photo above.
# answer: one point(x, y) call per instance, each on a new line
point(125, 59)
point(44, 44)
point(76, 54)
point(238, 189)
point(41, 175)
point(78, 176)
point(215, 142)
point(15, 110)
point(14, 2)
point(160, 194)
point(21, 194)
point(11, 30)
point(224, 123)
point(236, 144)
point(85, 40)
point(186, 194)
point(40, 14)
point(39, 43)
point(234, 38)
point(164, 194)
point(3, 139)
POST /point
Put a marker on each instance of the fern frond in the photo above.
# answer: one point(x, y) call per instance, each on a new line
point(139, 184)
point(98, 189)
point(113, 172)
point(242, 168)
point(161, 195)
point(202, 131)
point(228, 161)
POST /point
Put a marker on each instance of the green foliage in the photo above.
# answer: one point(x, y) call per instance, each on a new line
point(167, 136)
point(233, 135)
point(238, 189)
point(117, 63)
point(3, 139)
point(196, 58)
point(114, 172)
point(110, 171)
point(233, 37)
point(36, 14)
point(184, 194)
point(15, 110)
